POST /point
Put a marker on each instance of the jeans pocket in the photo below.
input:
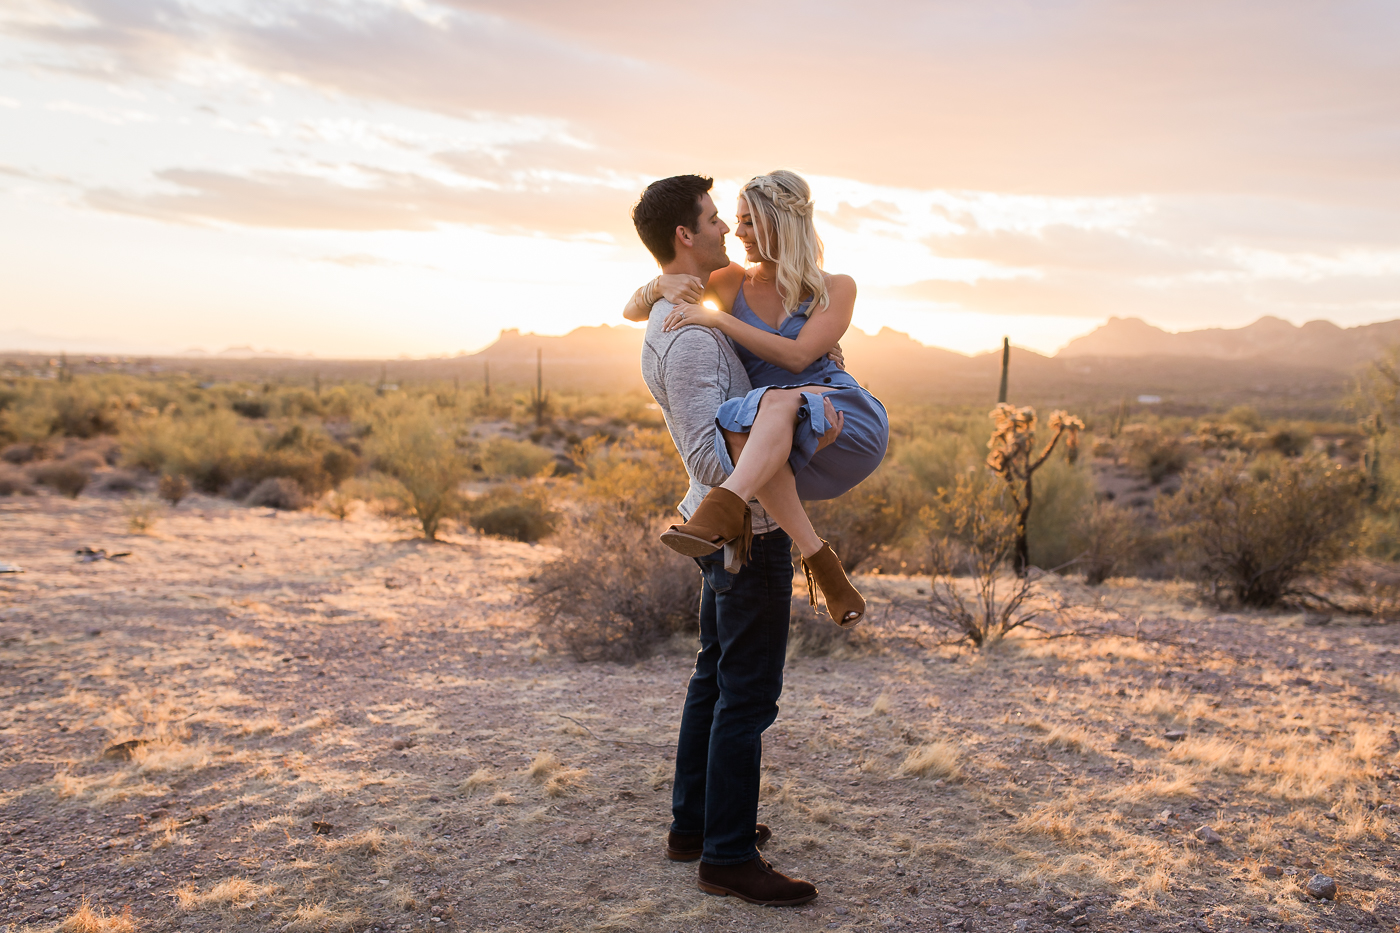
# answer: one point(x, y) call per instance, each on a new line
point(712, 567)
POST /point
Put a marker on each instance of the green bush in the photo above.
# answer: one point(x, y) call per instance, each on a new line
point(410, 445)
point(1107, 541)
point(522, 515)
point(503, 457)
point(1253, 537)
point(1153, 452)
point(640, 475)
point(1064, 493)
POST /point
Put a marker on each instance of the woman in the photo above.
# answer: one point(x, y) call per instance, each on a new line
point(784, 315)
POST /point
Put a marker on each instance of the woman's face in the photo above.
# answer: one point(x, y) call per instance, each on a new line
point(743, 229)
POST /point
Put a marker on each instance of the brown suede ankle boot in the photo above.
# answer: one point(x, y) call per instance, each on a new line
point(721, 518)
point(755, 881)
point(687, 847)
point(844, 603)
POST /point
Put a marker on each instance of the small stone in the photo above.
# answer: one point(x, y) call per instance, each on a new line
point(1321, 887)
point(954, 924)
point(1020, 926)
point(1081, 921)
point(321, 829)
point(1175, 735)
point(1070, 910)
point(401, 742)
point(842, 911)
point(1209, 836)
point(583, 838)
point(1271, 871)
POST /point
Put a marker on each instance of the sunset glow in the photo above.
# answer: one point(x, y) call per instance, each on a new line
point(386, 177)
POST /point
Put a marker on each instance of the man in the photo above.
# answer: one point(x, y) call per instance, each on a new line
point(733, 693)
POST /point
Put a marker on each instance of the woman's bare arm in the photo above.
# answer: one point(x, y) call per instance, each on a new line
point(818, 336)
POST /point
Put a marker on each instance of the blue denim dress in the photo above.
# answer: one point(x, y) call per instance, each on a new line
point(837, 468)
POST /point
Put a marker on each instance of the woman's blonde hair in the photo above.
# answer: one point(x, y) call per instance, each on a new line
point(780, 204)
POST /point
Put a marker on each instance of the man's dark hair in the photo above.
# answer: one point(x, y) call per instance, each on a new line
point(665, 205)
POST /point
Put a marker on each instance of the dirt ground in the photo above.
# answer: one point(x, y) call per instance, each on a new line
point(262, 721)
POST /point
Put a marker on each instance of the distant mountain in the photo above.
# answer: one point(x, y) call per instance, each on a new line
point(1316, 343)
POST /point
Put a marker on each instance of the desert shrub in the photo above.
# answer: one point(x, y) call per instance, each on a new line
point(13, 482)
point(973, 534)
point(307, 455)
point(337, 503)
point(1108, 541)
point(173, 487)
point(1369, 588)
point(877, 513)
point(141, 515)
point(1290, 441)
point(251, 408)
point(121, 482)
point(639, 475)
point(409, 445)
point(1246, 416)
point(504, 457)
point(1252, 539)
point(520, 514)
point(1064, 493)
point(64, 477)
point(615, 591)
point(278, 492)
point(814, 635)
point(1153, 452)
point(212, 447)
point(20, 454)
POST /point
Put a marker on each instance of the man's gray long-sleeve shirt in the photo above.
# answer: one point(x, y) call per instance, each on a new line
point(690, 371)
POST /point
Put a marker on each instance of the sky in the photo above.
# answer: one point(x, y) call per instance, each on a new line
point(379, 178)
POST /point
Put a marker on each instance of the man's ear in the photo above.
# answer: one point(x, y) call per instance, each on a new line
point(685, 237)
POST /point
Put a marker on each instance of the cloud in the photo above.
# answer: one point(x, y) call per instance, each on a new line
point(1087, 96)
point(385, 201)
point(1068, 248)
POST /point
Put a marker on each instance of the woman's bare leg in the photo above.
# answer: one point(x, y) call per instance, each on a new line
point(779, 499)
point(768, 443)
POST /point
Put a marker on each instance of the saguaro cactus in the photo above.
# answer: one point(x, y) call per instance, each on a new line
point(1012, 458)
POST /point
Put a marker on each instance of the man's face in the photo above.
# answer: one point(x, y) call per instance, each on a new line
point(708, 239)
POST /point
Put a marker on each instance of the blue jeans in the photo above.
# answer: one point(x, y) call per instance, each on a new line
point(732, 698)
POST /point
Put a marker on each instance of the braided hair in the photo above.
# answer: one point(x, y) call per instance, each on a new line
point(780, 204)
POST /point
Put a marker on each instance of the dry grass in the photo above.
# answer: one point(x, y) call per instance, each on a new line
point(231, 892)
point(87, 920)
point(564, 782)
point(318, 918)
point(936, 760)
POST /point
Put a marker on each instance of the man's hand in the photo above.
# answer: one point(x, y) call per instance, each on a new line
point(677, 288)
point(835, 421)
point(837, 357)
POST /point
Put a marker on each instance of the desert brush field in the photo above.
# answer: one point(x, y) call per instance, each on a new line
point(263, 720)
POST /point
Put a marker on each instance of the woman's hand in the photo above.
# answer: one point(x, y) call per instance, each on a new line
point(683, 315)
point(679, 288)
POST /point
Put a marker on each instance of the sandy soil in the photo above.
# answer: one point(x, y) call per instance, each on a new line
point(264, 721)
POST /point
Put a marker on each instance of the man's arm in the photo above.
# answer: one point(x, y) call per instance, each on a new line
point(696, 377)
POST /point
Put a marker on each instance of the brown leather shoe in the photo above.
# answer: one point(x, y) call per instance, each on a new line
point(755, 881)
point(687, 847)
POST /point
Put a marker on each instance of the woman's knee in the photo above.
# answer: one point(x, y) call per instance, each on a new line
point(776, 401)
